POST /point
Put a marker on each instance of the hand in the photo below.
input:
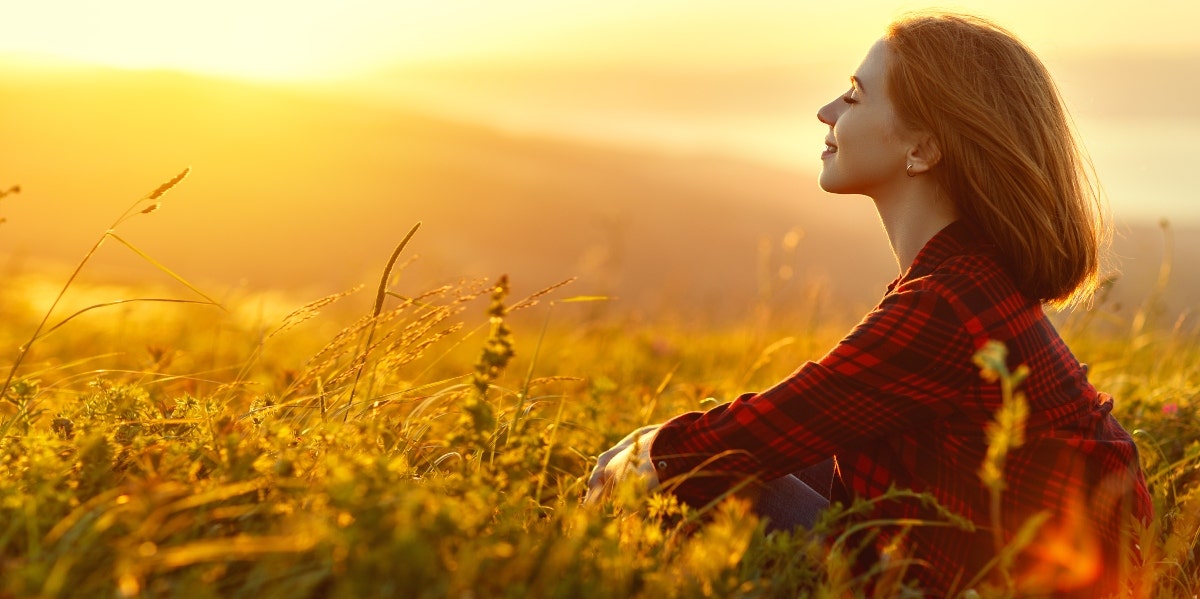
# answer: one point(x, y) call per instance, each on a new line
point(630, 456)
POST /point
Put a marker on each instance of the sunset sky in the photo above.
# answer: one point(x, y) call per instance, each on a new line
point(288, 39)
point(310, 124)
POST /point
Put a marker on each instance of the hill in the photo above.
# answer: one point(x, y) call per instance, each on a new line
point(309, 190)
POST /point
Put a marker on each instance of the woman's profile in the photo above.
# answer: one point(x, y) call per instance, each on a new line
point(958, 134)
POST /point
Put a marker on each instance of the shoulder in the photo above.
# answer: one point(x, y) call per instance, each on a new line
point(959, 265)
point(980, 292)
point(964, 275)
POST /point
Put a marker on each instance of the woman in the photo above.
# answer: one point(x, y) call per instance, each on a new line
point(956, 131)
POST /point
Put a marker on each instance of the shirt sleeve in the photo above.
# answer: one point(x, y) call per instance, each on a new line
point(902, 366)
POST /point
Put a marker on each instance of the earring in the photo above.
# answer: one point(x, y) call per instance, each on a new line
point(908, 170)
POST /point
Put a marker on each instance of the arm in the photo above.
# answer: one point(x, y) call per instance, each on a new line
point(901, 367)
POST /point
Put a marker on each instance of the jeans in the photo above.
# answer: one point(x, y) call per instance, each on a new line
point(795, 500)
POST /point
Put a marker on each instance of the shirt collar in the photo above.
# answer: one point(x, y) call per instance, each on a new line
point(954, 239)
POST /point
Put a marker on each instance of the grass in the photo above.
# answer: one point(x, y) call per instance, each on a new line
point(435, 444)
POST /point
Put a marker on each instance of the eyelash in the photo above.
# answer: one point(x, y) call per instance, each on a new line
point(849, 99)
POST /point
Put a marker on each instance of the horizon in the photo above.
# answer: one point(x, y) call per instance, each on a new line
point(762, 114)
point(305, 191)
point(680, 77)
point(302, 174)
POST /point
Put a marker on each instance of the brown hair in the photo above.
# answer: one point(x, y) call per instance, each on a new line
point(1010, 161)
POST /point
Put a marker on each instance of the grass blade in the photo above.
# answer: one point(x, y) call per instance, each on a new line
point(116, 303)
point(380, 295)
point(164, 269)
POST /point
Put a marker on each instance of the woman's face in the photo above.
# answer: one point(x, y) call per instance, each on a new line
point(866, 148)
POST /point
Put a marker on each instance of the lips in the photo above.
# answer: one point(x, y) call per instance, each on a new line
point(830, 149)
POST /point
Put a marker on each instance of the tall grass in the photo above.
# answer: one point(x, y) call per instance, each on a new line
point(434, 444)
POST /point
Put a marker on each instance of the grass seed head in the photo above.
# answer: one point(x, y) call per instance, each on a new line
point(165, 187)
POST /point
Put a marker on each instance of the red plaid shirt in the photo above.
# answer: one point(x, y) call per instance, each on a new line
point(899, 402)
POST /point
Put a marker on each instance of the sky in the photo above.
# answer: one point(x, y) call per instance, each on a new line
point(696, 79)
point(572, 68)
point(290, 39)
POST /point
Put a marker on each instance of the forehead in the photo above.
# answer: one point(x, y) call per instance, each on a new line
point(873, 69)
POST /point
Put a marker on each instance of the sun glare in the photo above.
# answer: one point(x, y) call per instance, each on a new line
point(259, 39)
point(276, 39)
point(284, 39)
point(222, 37)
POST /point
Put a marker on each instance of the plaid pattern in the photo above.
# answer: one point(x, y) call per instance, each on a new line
point(900, 403)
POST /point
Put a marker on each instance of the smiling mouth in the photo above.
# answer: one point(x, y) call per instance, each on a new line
point(830, 148)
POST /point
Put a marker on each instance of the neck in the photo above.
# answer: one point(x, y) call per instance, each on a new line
point(912, 217)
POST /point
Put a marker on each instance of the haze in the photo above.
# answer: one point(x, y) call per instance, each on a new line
point(642, 145)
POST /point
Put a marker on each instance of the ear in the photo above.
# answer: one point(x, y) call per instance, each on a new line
point(923, 155)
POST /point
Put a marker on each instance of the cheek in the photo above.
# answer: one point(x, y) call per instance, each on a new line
point(857, 132)
point(889, 134)
point(875, 140)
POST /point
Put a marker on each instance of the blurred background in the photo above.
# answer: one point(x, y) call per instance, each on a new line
point(663, 151)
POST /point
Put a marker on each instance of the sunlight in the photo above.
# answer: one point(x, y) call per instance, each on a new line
point(248, 39)
point(1067, 555)
point(274, 39)
point(258, 39)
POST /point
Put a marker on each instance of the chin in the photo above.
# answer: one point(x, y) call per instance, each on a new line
point(829, 186)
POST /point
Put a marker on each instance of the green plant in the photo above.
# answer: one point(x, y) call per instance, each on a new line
point(144, 205)
point(258, 467)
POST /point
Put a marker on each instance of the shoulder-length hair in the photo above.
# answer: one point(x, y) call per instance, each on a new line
point(1010, 160)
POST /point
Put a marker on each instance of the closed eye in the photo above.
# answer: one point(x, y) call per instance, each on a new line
point(849, 99)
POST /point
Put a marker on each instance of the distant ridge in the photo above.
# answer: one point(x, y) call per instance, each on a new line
point(310, 189)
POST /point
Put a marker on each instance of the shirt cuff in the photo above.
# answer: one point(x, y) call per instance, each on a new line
point(676, 465)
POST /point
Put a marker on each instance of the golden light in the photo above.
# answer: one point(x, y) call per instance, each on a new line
point(279, 39)
point(674, 78)
point(1066, 554)
point(225, 37)
point(271, 39)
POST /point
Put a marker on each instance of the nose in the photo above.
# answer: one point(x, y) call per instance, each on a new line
point(828, 113)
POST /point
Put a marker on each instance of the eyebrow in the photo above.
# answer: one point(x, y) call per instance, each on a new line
point(854, 81)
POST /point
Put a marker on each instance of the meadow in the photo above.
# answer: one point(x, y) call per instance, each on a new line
point(385, 441)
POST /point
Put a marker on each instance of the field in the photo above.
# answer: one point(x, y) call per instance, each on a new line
point(388, 441)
